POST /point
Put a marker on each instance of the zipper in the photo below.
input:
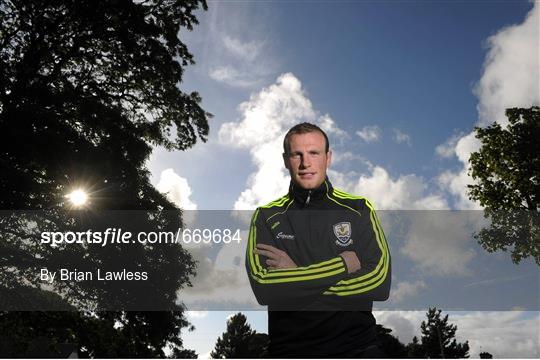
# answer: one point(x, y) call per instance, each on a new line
point(308, 198)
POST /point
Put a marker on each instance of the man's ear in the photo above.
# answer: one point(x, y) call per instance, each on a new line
point(328, 158)
point(286, 161)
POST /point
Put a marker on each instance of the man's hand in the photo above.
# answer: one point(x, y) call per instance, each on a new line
point(277, 259)
point(351, 260)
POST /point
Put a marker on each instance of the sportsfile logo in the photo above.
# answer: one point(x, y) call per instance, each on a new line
point(285, 236)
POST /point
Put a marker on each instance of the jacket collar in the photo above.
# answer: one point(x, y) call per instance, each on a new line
point(305, 197)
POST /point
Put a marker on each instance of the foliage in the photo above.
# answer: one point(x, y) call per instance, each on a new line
point(393, 348)
point(240, 341)
point(438, 339)
point(506, 170)
point(87, 89)
point(414, 349)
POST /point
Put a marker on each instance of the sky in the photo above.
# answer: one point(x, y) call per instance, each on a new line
point(399, 87)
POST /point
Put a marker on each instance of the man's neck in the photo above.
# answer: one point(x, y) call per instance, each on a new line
point(305, 196)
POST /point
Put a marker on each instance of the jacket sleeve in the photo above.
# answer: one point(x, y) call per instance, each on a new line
point(286, 287)
point(372, 281)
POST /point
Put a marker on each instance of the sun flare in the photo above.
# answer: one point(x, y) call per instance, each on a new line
point(78, 197)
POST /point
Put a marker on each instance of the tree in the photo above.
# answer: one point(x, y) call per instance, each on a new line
point(506, 170)
point(393, 348)
point(87, 90)
point(485, 355)
point(414, 349)
point(240, 341)
point(438, 339)
point(86, 81)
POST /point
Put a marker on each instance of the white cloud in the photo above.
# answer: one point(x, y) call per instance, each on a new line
point(243, 50)
point(504, 334)
point(265, 119)
point(407, 192)
point(271, 112)
point(268, 114)
point(223, 73)
point(455, 182)
point(404, 324)
point(330, 128)
point(233, 46)
point(448, 148)
point(205, 355)
point(510, 78)
point(196, 314)
point(440, 243)
point(347, 156)
point(400, 137)
point(465, 146)
point(369, 133)
point(269, 182)
point(437, 242)
point(240, 52)
point(509, 334)
point(405, 289)
point(231, 76)
point(177, 189)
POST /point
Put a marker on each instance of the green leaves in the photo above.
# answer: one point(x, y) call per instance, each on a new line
point(439, 338)
point(240, 341)
point(87, 89)
point(507, 174)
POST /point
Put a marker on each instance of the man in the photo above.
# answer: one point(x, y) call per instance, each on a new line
point(314, 255)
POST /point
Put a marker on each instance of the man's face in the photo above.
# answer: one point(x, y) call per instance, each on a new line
point(307, 159)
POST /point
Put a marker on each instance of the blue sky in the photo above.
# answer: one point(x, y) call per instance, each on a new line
point(399, 87)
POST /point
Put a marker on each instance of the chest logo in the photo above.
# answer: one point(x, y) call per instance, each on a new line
point(342, 231)
point(285, 236)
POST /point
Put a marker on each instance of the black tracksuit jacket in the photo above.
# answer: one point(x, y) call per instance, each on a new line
point(318, 309)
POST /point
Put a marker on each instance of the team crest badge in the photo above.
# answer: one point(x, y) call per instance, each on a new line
point(342, 231)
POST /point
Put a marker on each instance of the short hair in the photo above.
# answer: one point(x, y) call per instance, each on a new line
point(303, 128)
